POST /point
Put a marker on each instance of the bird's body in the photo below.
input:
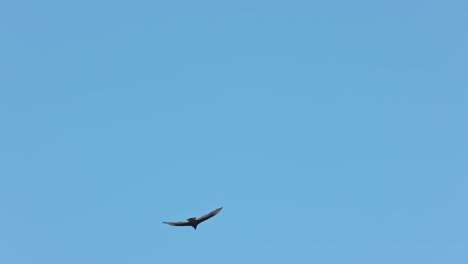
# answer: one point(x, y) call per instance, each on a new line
point(193, 221)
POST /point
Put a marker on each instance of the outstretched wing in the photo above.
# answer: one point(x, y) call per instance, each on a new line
point(177, 223)
point(209, 215)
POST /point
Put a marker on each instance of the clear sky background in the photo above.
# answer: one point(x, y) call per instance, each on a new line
point(330, 131)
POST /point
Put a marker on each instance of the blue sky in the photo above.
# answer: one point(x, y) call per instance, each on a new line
point(330, 131)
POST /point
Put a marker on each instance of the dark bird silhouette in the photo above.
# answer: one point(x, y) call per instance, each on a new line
point(193, 221)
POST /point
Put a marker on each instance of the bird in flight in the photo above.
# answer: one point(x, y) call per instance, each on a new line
point(193, 221)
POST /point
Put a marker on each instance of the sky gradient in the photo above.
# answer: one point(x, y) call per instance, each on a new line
point(330, 131)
